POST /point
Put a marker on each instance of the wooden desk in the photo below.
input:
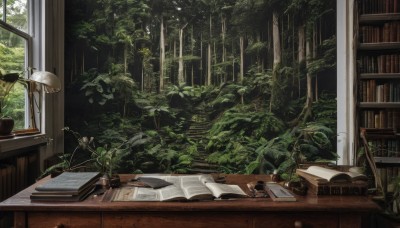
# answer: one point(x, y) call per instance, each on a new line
point(338, 211)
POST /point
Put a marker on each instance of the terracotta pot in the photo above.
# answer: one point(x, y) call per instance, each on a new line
point(6, 125)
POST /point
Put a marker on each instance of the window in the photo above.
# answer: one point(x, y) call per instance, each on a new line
point(30, 26)
point(15, 46)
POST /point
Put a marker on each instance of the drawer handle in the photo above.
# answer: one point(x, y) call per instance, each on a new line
point(298, 224)
point(59, 226)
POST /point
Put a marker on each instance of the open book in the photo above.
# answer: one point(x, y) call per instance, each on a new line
point(188, 187)
point(324, 175)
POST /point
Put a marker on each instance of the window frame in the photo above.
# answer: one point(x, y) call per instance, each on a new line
point(27, 36)
point(45, 53)
point(346, 116)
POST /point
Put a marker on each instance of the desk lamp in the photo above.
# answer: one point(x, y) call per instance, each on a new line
point(50, 83)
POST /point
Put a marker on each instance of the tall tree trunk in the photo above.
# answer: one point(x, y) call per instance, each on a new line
point(173, 65)
point(162, 54)
point(142, 76)
point(209, 56)
point(126, 58)
point(192, 53)
point(276, 39)
point(218, 79)
point(209, 65)
point(201, 60)
point(314, 55)
point(309, 98)
point(241, 76)
point(277, 55)
point(233, 63)
point(301, 52)
point(223, 34)
point(181, 79)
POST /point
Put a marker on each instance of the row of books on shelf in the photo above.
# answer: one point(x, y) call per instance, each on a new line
point(384, 147)
point(387, 175)
point(387, 32)
point(389, 63)
point(384, 118)
point(379, 6)
point(373, 91)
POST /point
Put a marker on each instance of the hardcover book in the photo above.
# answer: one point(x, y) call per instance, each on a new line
point(324, 181)
point(325, 175)
point(72, 182)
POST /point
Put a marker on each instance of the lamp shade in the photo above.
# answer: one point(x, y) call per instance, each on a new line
point(50, 81)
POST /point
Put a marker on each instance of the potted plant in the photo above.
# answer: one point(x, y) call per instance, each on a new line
point(104, 159)
point(7, 82)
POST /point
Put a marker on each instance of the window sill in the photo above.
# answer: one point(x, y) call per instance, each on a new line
point(20, 142)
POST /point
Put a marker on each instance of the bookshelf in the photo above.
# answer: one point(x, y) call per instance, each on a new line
point(378, 84)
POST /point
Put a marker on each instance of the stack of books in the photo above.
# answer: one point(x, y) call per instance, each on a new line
point(68, 186)
point(326, 181)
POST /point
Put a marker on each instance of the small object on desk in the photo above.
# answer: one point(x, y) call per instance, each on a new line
point(297, 187)
point(279, 193)
point(220, 179)
point(275, 176)
point(153, 182)
point(257, 189)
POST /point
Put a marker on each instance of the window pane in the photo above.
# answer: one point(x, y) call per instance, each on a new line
point(12, 59)
point(17, 13)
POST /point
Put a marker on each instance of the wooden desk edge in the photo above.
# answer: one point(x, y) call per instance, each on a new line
point(21, 202)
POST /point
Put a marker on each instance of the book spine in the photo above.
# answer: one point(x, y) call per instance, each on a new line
point(343, 190)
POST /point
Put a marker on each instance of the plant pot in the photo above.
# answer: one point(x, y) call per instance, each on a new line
point(6, 125)
point(56, 172)
point(115, 181)
point(106, 181)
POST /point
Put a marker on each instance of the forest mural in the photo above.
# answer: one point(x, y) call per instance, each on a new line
point(234, 86)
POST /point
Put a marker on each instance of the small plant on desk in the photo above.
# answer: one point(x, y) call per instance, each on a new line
point(104, 159)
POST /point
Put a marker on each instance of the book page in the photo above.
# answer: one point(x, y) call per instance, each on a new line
point(145, 194)
point(357, 176)
point(194, 188)
point(171, 192)
point(328, 174)
point(219, 190)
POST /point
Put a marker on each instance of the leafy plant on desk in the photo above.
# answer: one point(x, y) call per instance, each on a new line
point(104, 159)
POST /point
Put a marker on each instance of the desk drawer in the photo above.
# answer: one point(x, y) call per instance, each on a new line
point(177, 220)
point(63, 219)
point(296, 220)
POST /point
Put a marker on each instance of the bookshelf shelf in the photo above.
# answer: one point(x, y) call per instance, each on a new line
point(379, 105)
point(364, 76)
point(378, 18)
point(379, 46)
point(387, 160)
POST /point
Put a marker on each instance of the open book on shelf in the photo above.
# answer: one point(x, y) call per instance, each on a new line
point(323, 175)
point(187, 187)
